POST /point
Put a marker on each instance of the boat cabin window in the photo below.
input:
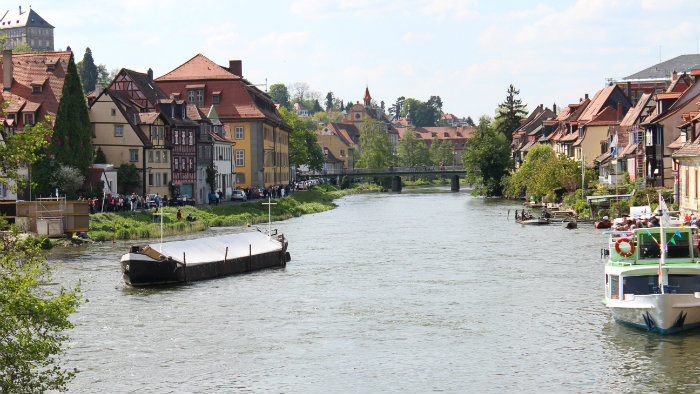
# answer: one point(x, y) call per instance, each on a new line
point(614, 287)
point(678, 245)
point(640, 285)
point(683, 284)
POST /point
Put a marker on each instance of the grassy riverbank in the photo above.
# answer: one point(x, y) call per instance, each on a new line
point(141, 225)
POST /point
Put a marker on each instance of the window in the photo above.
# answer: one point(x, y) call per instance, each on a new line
point(176, 165)
point(165, 156)
point(157, 157)
point(113, 112)
point(165, 178)
point(118, 130)
point(150, 179)
point(36, 89)
point(133, 155)
point(150, 156)
point(160, 132)
point(154, 133)
point(614, 287)
point(191, 138)
point(640, 285)
point(175, 135)
point(191, 165)
point(200, 97)
point(215, 99)
point(190, 97)
point(158, 179)
point(240, 158)
point(183, 168)
point(29, 119)
point(342, 153)
point(239, 133)
point(240, 178)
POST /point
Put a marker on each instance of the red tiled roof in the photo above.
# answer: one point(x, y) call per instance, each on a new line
point(31, 67)
point(597, 103)
point(198, 67)
point(676, 143)
point(148, 117)
point(238, 100)
point(690, 149)
point(633, 116)
point(608, 116)
point(629, 150)
point(665, 96)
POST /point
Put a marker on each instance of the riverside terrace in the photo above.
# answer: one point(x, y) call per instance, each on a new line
point(397, 172)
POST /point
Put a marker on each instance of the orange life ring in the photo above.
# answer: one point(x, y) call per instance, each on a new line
point(630, 243)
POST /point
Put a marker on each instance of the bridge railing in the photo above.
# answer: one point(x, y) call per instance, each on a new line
point(396, 170)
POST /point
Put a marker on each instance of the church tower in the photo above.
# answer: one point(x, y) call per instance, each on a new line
point(368, 98)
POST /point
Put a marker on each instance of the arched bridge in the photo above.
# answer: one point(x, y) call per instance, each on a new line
point(397, 172)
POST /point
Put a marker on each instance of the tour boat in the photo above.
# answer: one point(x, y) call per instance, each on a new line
point(652, 278)
point(203, 258)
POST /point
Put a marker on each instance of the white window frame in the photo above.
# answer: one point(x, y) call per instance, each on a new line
point(240, 157)
point(118, 130)
point(239, 133)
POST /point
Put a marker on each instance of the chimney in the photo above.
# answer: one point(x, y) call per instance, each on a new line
point(674, 76)
point(554, 108)
point(98, 88)
point(20, 10)
point(586, 96)
point(619, 111)
point(150, 74)
point(7, 69)
point(236, 67)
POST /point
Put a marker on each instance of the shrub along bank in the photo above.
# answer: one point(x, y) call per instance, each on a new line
point(141, 225)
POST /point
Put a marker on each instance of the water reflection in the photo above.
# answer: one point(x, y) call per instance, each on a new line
point(644, 362)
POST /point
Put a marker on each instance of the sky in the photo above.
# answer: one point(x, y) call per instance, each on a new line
point(466, 51)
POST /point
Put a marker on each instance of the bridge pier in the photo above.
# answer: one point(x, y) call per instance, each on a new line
point(396, 183)
point(454, 183)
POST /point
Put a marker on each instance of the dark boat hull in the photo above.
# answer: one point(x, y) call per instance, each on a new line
point(139, 269)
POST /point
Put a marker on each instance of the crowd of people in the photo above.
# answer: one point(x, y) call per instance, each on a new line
point(134, 202)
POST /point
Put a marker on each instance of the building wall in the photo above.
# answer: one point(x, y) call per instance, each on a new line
point(244, 145)
point(39, 38)
point(689, 182)
point(338, 148)
point(591, 142)
point(104, 116)
point(158, 172)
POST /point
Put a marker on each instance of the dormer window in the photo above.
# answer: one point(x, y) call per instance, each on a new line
point(29, 119)
point(215, 99)
point(36, 89)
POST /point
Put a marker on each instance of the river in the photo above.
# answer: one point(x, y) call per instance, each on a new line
point(422, 291)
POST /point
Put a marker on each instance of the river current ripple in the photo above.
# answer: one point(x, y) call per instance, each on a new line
point(422, 291)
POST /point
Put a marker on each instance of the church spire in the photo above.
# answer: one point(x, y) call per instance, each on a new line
point(368, 98)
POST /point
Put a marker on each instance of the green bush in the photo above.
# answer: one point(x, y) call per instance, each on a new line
point(40, 240)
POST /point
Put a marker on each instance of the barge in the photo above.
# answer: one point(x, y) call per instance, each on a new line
point(204, 258)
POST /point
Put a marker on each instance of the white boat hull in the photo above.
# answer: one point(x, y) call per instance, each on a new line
point(662, 313)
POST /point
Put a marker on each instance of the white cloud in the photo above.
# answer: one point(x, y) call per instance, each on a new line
point(456, 9)
point(418, 37)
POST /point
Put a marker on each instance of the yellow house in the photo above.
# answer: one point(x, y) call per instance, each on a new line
point(128, 136)
point(340, 140)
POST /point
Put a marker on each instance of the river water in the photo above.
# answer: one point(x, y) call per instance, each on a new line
point(423, 291)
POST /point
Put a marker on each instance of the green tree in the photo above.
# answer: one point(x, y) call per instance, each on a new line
point(487, 159)
point(128, 179)
point(442, 151)
point(509, 113)
point(303, 148)
point(316, 107)
point(72, 135)
point(103, 76)
point(211, 177)
point(34, 314)
point(470, 121)
point(67, 180)
point(327, 117)
point(88, 71)
point(422, 114)
point(375, 144)
point(396, 109)
point(330, 101)
point(280, 95)
point(412, 150)
point(22, 47)
point(34, 317)
point(100, 157)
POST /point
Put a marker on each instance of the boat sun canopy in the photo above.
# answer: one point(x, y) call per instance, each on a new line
point(203, 250)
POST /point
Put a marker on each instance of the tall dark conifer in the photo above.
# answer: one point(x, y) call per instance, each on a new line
point(71, 142)
point(88, 71)
point(509, 113)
